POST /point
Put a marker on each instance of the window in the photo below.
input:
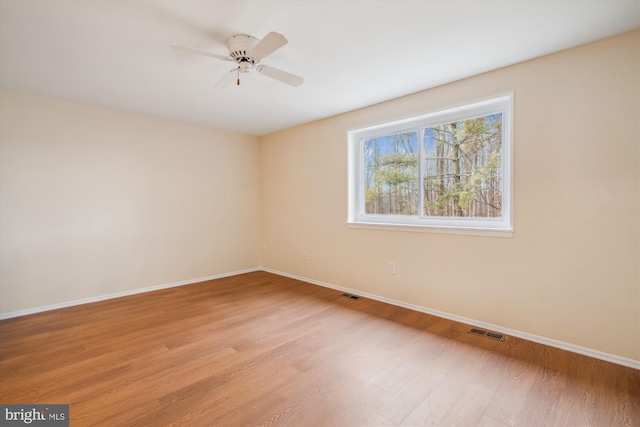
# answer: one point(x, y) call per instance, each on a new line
point(446, 171)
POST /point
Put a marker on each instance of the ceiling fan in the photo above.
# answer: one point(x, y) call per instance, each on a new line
point(247, 52)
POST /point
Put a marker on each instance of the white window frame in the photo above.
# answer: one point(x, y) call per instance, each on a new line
point(501, 227)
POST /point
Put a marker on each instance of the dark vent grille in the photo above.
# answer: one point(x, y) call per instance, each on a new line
point(351, 296)
point(488, 334)
point(495, 336)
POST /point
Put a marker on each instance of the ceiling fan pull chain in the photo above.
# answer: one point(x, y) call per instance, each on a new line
point(238, 81)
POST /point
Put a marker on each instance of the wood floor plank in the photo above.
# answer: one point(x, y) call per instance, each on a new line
point(450, 387)
point(487, 421)
point(540, 405)
point(469, 408)
point(261, 349)
point(509, 399)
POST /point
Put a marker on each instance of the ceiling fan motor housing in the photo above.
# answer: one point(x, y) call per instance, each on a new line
point(240, 47)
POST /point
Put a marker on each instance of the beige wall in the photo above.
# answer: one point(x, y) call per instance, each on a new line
point(95, 201)
point(570, 272)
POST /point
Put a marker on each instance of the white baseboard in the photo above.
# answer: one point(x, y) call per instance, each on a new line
point(631, 363)
point(121, 294)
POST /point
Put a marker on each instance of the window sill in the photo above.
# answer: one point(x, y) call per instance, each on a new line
point(469, 231)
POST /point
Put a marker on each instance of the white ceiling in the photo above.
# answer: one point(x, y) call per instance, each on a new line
point(352, 54)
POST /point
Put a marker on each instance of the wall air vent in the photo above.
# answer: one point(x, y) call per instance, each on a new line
point(495, 336)
point(351, 296)
point(488, 334)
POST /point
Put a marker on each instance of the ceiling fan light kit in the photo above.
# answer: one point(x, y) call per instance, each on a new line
point(247, 51)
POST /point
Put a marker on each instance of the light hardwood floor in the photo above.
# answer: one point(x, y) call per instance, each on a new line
point(260, 349)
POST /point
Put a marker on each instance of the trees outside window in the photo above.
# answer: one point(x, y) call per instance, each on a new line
point(448, 169)
point(391, 169)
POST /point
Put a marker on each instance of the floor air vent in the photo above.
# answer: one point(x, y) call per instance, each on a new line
point(351, 296)
point(488, 334)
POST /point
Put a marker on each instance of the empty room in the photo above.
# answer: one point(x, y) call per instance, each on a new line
point(320, 213)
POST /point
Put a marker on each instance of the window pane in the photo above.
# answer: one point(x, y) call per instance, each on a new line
point(391, 174)
point(463, 168)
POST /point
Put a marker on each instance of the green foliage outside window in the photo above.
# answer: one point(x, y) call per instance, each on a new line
point(460, 169)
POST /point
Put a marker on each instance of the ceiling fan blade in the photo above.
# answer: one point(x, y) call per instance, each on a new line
point(282, 76)
point(188, 49)
point(269, 44)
